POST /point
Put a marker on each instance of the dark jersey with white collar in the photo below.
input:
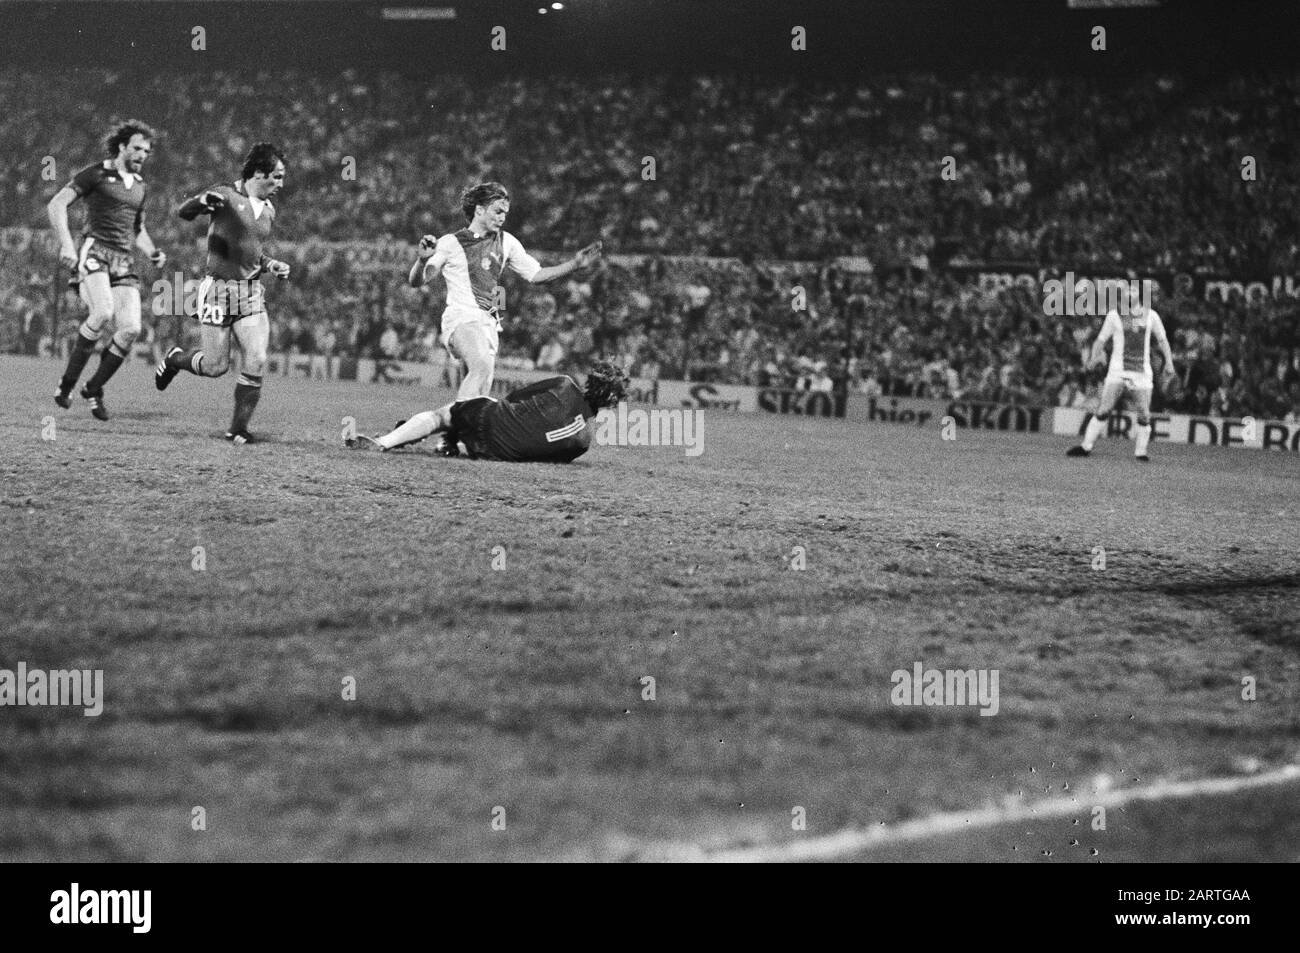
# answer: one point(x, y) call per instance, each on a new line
point(114, 209)
point(236, 234)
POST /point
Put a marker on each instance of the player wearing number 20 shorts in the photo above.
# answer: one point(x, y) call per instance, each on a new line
point(230, 297)
point(1128, 375)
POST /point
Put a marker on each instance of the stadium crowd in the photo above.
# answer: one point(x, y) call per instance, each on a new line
point(719, 199)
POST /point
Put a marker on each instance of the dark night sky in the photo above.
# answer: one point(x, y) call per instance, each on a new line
point(608, 35)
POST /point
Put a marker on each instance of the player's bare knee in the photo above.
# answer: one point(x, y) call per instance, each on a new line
point(128, 326)
point(97, 318)
point(215, 365)
point(255, 364)
point(125, 337)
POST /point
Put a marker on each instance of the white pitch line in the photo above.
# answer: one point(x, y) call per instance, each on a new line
point(854, 840)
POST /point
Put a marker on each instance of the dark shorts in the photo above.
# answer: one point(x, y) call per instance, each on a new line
point(223, 301)
point(97, 257)
point(469, 423)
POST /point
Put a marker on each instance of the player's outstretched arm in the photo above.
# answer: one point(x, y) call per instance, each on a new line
point(205, 203)
point(585, 258)
point(57, 212)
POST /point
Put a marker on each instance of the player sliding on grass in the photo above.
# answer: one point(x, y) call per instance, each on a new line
point(1129, 373)
point(230, 296)
point(545, 422)
point(103, 265)
point(472, 261)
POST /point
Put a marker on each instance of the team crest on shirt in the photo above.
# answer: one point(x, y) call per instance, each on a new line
point(487, 263)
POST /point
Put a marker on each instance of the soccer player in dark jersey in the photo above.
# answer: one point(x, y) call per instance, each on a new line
point(103, 262)
point(230, 299)
point(545, 422)
point(472, 262)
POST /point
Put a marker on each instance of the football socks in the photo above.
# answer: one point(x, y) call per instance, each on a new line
point(1143, 437)
point(109, 361)
point(1096, 427)
point(247, 393)
point(82, 348)
point(415, 429)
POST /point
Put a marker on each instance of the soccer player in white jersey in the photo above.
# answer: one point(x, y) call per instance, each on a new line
point(472, 261)
point(1128, 375)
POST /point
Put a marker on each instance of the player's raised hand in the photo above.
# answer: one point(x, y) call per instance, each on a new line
point(279, 269)
point(427, 246)
point(588, 256)
point(158, 258)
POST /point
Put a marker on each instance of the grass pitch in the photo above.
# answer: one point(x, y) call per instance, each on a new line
point(521, 689)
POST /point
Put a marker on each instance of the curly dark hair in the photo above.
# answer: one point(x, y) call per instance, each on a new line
point(123, 133)
point(261, 158)
point(485, 193)
point(606, 385)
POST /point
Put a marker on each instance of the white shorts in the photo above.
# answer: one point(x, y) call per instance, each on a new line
point(1131, 380)
point(1127, 384)
point(453, 318)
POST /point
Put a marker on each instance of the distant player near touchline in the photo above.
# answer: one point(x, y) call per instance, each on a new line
point(1128, 376)
point(230, 297)
point(103, 265)
point(472, 261)
point(545, 422)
